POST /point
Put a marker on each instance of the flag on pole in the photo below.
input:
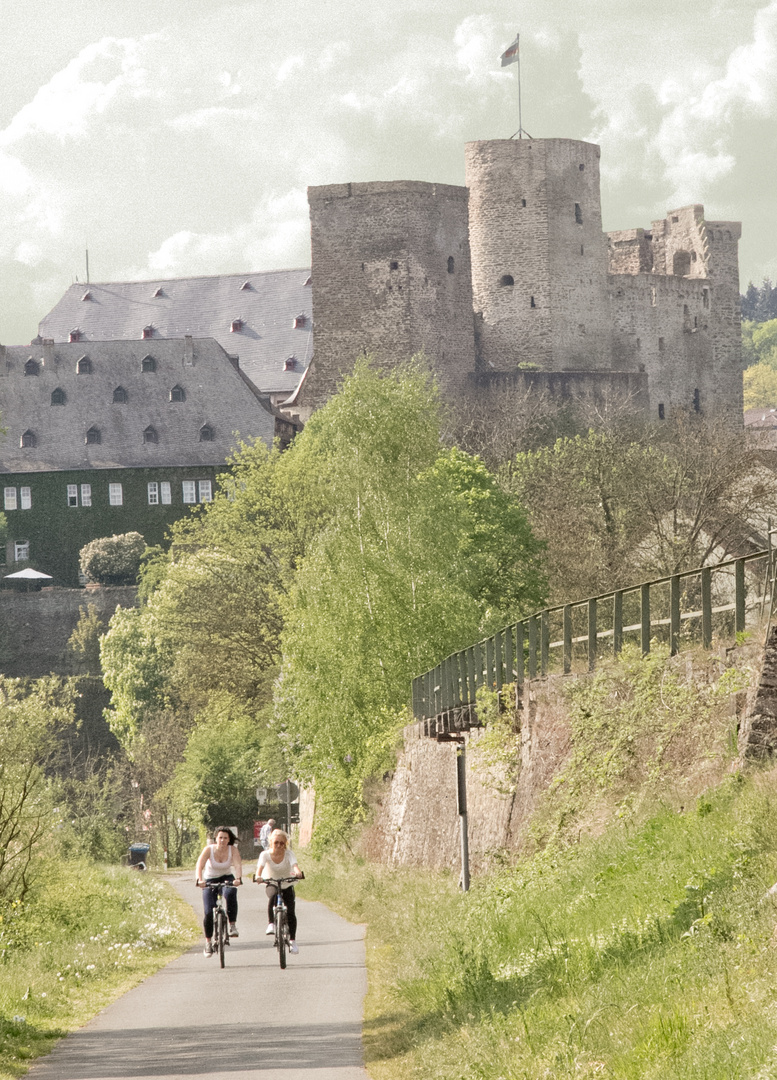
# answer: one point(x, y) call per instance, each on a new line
point(510, 55)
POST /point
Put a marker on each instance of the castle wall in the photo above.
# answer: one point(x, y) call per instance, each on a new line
point(391, 277)
point(535, 221)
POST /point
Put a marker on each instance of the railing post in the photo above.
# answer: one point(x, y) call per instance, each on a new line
point(644, 611)
point(437, 692)
point(509, 655)
point(498, 655)
point(739, 589)
point(592, 634)
point(544, 641)
point(706, 607)
point(490, 663)
point(456, 680)
point(416, 689)
point(567, 615)
point(519, 661)
point(617, 621)
point(472, 682)
point(478, 653)
point(674, 614)
point(533, 647)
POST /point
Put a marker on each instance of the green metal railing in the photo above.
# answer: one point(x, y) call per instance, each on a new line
point(686, 607)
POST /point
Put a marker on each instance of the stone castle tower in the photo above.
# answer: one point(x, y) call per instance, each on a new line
point(510, 281)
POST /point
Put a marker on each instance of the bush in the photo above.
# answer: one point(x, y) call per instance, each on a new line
point(113, 560)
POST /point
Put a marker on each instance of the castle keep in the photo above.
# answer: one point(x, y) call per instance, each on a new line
point(512, 273)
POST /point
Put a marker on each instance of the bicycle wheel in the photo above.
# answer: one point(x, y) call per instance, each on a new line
point(280, 936)
point(221, 934)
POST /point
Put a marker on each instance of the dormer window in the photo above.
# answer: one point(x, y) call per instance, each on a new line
point(236, 326)
point(289, 363)
point(300, 321)
point(246, 286)
point(178, 394)
point(74, 335)
point(119, 396)
point(28, 439)
point(84, 366)
point(148, 364)
point(31, 367)
point(307, 281)
point(158, 292)
point(206, 433)
point(147, 332)
point(150, 435)
point(58, 396)
point(87, 295)
point(92, 436)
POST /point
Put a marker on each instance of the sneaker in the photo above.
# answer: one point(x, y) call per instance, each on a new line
point(293, 947)
point(233, 930)
point(270, 930)
point(208, 950)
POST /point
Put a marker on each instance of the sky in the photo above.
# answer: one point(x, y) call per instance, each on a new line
point(178, 137)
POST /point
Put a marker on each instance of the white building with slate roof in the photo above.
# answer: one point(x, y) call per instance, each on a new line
point(115, 436)
point(264, 319)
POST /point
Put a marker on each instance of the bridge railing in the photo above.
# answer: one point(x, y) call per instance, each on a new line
point(690, 607)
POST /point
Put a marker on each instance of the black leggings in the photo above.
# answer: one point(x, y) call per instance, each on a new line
point(209, 902)
point(288, 899)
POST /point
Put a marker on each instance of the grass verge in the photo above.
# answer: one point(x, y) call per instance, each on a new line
point(646, 952)
point(84, 936)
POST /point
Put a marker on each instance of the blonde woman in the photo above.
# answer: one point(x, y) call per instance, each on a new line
point(279, 861)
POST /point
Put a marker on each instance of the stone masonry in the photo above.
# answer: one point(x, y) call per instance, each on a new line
point(514, 271)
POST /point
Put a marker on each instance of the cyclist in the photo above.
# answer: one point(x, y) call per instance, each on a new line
point(279, 861)
point(219, 862)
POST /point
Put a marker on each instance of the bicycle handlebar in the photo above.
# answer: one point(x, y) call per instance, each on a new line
point(205, 884)
point(277, 881)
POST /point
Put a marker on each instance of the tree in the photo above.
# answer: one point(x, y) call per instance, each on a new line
point(83, 646)
point(412, 552)
point(113, 560)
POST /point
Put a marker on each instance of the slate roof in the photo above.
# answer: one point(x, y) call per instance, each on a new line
point(215, 394)
point(265, 305)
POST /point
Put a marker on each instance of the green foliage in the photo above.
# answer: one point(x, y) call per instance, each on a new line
point(645, 953)
point(759, 357)
point(135, 663)
point(411, 551)
point(496, 753)
point(83, 646)
point(113, 560)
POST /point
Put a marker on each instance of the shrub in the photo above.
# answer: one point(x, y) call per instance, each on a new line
point(113, 560)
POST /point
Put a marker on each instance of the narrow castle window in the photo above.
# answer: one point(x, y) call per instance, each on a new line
point(148, 363)
point(206, 433)
point(506, 279)
point(661, 411)
point(92, 436)
point(681, 263)
point(581, 167)
point(696, 401)
point(582, 250)
point(150, 435)
point(84, 366)
point(58, 396)
point(660, 344)
point(451, 264)
point(393, 265)
point(119, 396)
point(531, 302)
point(705, 298)
point(28, 439)
point(578, 214)
point(177, 393)
point(31, 367)
point(523, 202)
point(639, 344)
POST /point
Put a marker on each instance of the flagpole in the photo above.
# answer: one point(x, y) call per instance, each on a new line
point(512, 55)
point(520, 118)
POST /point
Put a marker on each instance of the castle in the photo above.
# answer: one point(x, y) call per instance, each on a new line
point(510, 281)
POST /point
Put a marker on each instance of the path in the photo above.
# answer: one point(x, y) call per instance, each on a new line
point(249, 1021)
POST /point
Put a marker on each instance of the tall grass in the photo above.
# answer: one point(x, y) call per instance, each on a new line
point(646, 952)
point(84, 934)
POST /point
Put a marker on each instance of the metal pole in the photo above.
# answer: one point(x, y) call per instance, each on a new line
point(288, 808)
point(520, 115)
point(461, 792)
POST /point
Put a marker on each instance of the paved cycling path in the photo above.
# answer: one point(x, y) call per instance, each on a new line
point(249, 1021)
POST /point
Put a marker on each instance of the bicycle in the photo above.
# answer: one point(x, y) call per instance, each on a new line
point(280, 919)
point(220, 918)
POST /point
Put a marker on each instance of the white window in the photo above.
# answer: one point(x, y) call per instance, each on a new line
point(189, 491)
point(206, 491)
point(86, 494)
point(115, 495)
point(72, 494)
point(9, 498)
point(21, 550)
point(25, 498)
point(164, 491)
point(153, 493)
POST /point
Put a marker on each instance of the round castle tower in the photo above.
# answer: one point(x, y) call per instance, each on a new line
point(391, 278)
point(539, 257)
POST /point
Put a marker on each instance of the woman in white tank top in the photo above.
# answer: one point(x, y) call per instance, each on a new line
point(219, 862)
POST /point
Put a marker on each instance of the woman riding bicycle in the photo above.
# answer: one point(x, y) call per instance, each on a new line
point(219, 863)
point(279, 861)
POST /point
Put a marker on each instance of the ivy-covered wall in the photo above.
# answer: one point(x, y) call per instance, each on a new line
point(56, 531)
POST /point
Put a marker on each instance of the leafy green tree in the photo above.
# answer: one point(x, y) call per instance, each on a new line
point(83, 646)
point(411, 551)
